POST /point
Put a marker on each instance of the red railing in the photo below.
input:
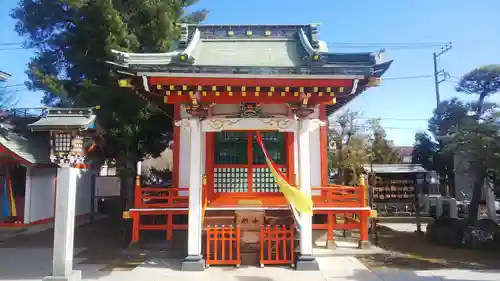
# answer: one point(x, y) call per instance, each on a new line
point(174, 197)
point(276, 245)
point(339, 196)
point(160, 197)
point(223, 245)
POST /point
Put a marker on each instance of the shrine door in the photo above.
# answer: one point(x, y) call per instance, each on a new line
point(239, 165)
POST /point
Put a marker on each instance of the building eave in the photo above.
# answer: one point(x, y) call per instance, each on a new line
point(21, 160)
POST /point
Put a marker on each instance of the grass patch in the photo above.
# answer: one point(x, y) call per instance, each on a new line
point(411, 250)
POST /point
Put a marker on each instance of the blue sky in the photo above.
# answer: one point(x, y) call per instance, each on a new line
point(403, 104)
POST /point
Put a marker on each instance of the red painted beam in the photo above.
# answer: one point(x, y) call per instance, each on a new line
point(250, 82)
point(237, 97)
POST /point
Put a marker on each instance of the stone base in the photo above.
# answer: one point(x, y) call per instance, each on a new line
point(306, 263)
point(330, 244)
point(364, 245)
point(193, 263)
point(347, 233)
point(76, 275)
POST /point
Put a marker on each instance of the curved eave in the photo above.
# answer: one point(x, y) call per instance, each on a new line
point(19, 159)
point(380, 69)
point(125, 59)
point(316, 57)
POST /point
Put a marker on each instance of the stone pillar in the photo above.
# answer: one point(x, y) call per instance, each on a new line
point(425, 202)
point(194, 261)
point(64, 226)
point(453, 208)
point(439, 207)
point(306, 260)
point(490, 197)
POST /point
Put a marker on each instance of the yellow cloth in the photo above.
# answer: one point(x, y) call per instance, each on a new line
point(298, 199)
point(13, 210)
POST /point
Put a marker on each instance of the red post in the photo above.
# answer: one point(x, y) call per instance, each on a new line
point(238, 243)
point(170, 228)
point(137, 192)
point(331, 221)
point(363, 223)
point(135, 226)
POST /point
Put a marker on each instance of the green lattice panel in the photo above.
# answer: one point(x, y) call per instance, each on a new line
point(231, 179)
point(263, 180)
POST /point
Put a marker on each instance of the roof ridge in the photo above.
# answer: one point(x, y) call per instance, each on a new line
point(270, 39)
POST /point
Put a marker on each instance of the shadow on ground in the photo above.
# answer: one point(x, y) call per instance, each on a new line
point(398, 275)
point(410, 250)
point(101, 248)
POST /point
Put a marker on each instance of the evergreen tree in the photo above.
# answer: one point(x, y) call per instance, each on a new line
point(74, 39)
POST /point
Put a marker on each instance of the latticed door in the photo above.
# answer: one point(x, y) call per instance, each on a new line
point(240, 165)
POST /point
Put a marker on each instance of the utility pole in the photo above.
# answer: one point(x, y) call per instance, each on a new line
point(439, 72)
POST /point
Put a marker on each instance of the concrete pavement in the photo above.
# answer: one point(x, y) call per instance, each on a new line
point(33, 264)
point(29, 258)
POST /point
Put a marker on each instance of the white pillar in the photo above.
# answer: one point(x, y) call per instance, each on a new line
point(425, 202)
point(489, 196)
point(439, 207)
point(453, 208)
point(64, 226)
point(194, 261)
point(306, 261)
point(27, 196)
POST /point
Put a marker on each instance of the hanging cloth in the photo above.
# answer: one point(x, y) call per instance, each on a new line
point(13, 210)
point(5, 199)
point(298, 200)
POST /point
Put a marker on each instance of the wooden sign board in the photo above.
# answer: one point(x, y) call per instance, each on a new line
point(250, 219)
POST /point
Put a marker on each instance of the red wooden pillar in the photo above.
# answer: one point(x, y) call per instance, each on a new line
point(363, 225)
point(135, 226)
point(332, 220)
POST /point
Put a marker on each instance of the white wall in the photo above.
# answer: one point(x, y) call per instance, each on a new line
point(315, 157)
point(40, 193)
point(183, 169)
point(39, 204)
point(83, 192)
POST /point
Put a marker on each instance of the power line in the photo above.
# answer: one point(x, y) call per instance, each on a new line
point(18, 48)
point(385, 128)
point(391, 43)
point(13, 85)
point(391, 118)
point(10, 43)
point(407, 77)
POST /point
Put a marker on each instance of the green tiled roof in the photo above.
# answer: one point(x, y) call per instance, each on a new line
point(33, 148)
point(30, 146)
point(4, 76)
point(394, 168)
point(280, 49)
point(279, 53)
point(78, 119)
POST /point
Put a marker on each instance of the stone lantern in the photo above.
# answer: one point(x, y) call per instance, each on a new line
point(72, 134)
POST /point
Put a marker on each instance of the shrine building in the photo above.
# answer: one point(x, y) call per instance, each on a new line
point(229, 85)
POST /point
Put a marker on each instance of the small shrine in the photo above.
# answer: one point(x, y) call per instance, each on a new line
point(251, 106)
point(73, 133)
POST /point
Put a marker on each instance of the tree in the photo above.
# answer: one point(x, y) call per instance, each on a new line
point(352, 145)
point(425, 150)
point(381, 151)
point(478, 137)
point(429, 147)
point(7, 99)
point(483, 82)
point(347, 147)
point(74, 39)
